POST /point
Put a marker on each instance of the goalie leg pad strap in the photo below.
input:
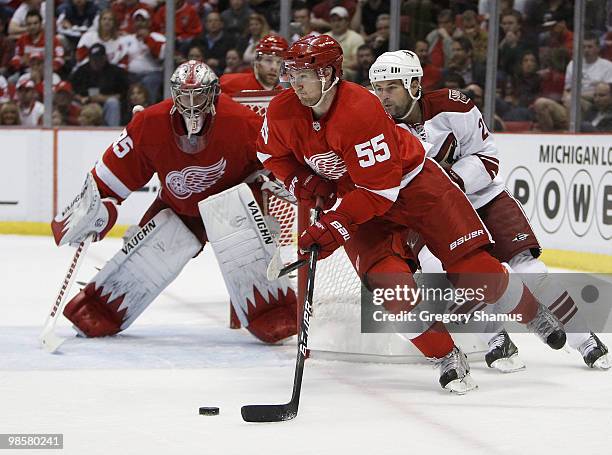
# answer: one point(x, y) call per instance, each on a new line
point(148, 262)
point(244, 245)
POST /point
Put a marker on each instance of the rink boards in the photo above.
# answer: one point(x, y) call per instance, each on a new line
point(563, 181)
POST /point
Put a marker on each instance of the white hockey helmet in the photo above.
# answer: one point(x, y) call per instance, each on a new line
point(194, 88)
point(403, 65)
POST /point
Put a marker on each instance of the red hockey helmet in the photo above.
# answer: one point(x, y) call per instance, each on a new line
point(315, 52)
point(272, 44)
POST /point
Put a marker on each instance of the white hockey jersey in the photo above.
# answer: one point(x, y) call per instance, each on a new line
point(461, 142)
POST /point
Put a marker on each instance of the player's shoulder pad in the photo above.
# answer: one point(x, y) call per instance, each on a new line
point(356, 99)
point(284, 105)
point(227, 107)
point(228, 82)
point(446, 100)
point(153, 118)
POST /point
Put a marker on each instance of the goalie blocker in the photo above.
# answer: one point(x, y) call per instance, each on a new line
point(154, 256)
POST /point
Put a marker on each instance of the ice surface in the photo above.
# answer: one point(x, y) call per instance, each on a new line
point(139, 393)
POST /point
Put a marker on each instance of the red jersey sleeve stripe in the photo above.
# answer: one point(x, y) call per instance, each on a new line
point(111, 180)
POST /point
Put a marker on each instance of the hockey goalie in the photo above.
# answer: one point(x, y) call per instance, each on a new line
point(201, 144)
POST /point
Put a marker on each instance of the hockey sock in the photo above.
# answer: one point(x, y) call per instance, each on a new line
point(435, 342)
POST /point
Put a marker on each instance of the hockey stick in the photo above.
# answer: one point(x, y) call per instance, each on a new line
point(280, 412)
point(276, 269)
point(48, 339)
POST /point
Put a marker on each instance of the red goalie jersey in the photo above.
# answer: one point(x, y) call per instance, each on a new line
point(343, 145)
point(148, 145)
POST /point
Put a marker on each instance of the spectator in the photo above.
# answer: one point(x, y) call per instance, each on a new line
point(258, 28)
point(599, 116)
point(266, 68)
point(234, 63)
point(476, 94)
point(526, 81)
point(301, 25)
point(91, 115)
point(106, 33)
point(34, 41)
point(145, 50)
point(540, 14)
point(463, 64)
point(322, 12)
point(17, 24)
point(556, 34)
point(30, 110)
point(215, 43)
point(594, 70)
point(553, 116)
point(365, 59)
point(270, 9)
point(513, 44)
point(366, 14)
point(64, 104)
point(99, 81)
point(7, 49)
point(349, 40)
point(57, 119)
point(196, 53)
point(441, 39)
point(75, 17)
point(379, 40)
point(136, 96)
point(36, 73)
point(4, 90)
point(236, 19)
point(432, 75)
point(124, 12)
point(471, 29)
point(553, 77)
point(187, 23)
point(452, 80)
point(9, 114)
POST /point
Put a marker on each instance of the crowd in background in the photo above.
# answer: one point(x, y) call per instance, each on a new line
point(108, 54)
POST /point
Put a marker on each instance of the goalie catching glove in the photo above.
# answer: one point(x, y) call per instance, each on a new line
point(87, 214)
point(330, 233)
point(307, 187)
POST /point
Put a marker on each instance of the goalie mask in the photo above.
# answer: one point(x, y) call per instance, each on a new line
point(398, 65)
point(195, 89)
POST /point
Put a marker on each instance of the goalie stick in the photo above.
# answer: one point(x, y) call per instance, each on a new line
point(279, 412)
point(48, 339)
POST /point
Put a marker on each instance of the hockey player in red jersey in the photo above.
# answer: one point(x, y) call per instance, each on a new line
point(266, 68)
point(465, 148)
point(201, 144)
point(325, 137)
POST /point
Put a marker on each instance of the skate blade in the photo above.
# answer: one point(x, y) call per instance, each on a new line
point(602, 363)
point(461, 386)
point(510, 364)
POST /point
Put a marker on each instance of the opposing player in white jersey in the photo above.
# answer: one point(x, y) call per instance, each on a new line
point(465, 148)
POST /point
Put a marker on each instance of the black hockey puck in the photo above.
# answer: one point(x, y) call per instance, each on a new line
point(209, 411)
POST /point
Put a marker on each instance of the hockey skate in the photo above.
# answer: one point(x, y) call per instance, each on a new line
point(503, 354)
point(595, 353)
point(548, 328)
point(455, 372)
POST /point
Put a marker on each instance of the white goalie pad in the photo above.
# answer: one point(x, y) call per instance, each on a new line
point(148, 262)
point(244, 245)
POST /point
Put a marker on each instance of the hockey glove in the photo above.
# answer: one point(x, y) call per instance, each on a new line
point(330, 232)
point(87, 214)
point(307, 187)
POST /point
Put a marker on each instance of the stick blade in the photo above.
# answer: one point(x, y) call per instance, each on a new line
point(275, 266)
point(51, 342)
point(262, 413)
